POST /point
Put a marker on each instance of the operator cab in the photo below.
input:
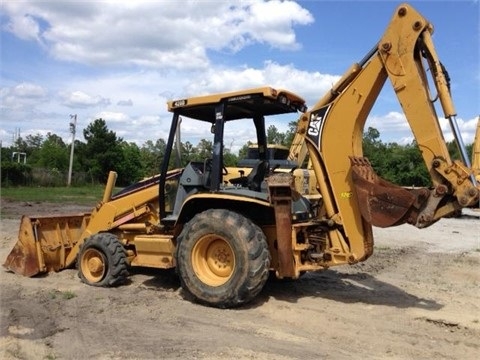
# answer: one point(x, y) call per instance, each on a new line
point(208, 175)
point(277, 156)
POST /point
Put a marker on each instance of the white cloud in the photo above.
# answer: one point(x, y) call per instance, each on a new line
point(28, 90)
point(24, 26)
point(147, 120)
point(154, 33)
point(128, 102)
point(467, 129)
point(22, 96)
point(394, 127)
point(81, 100)
point(392, 122)
point(310, 85)
point(113, 117)
point(267, 18)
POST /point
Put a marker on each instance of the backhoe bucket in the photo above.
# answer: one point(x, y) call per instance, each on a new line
point(381, 202)
point(44, 243)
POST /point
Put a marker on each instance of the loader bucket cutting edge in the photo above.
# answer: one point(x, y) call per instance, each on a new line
point(44, 243)
point(24, 257)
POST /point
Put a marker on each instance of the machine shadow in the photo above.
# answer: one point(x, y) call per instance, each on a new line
point(159, 279)
point(342, 287)
point(329, 284)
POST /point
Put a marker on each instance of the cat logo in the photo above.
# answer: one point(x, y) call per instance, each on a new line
point(317, 119)
point(314, 125)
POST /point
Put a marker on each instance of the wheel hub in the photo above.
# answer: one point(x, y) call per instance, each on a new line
point(219, 258)
point(95, 265)
point(213, 260)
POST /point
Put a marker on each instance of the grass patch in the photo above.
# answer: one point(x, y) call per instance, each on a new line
point(82, 195)
point(65, 295)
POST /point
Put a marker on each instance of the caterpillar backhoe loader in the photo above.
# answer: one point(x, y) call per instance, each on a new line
point(224, 233)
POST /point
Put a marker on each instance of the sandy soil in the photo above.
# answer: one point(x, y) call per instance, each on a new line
point(417, 297)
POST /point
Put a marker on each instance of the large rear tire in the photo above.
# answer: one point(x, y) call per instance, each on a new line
point(102, 261)
point(222, 258)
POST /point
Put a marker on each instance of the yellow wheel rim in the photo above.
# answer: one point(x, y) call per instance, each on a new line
point(93, 265)
point(213, 260)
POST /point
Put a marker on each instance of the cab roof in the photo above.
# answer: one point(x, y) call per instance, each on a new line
point(262, 101)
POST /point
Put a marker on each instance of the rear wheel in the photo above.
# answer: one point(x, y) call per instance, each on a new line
point(222, 258)
point(102, 261)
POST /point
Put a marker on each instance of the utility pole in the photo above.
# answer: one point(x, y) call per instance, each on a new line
point(73, 126)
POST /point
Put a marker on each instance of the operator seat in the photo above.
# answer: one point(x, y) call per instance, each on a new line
point(257, 175)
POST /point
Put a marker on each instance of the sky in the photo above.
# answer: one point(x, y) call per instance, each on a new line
point(123, 60)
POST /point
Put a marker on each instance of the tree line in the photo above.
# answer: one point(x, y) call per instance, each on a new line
point(44, 160)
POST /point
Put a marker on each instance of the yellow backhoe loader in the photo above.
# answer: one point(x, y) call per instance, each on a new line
point(224, 233)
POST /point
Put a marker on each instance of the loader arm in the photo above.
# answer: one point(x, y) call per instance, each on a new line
point(52, 243)
point(354, 196)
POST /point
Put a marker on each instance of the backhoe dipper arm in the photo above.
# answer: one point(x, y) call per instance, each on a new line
point(333, 130)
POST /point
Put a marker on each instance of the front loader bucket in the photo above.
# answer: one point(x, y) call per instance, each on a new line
point(44, 243)
point(383, 203)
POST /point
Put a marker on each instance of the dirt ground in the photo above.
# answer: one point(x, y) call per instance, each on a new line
point(417, 297)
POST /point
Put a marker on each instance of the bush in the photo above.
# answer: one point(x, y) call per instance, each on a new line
point(15, 174)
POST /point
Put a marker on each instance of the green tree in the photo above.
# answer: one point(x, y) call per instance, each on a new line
point(151, 156)
point(80, 158)
point(204, 150)
point(130, 169)
point(30, 146)
point(402, 165)
point(375, 150)
point(242, 153)
point(14, 173)
point(103, 151)
point(53, 153)
point(455, 152)
point(290, 134)
point(229, 159)
point(188, 152)
point(275, 137)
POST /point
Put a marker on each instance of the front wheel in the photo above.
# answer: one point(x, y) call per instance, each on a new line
point(102, 261)
point(222, 258)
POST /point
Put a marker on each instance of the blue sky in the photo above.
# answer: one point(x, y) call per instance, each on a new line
point(122, 60)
